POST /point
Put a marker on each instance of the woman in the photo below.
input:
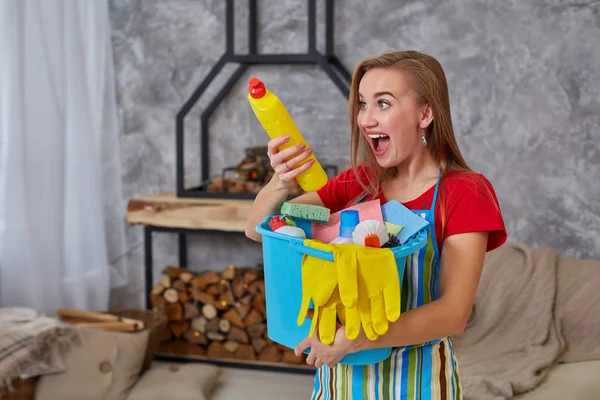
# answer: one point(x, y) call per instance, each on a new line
point(403, 148)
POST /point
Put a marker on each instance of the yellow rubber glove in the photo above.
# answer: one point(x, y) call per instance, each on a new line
point(319, 281)
point(379, 290)
point(347, 271)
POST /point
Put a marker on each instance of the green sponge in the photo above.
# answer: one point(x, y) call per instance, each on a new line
point(394, 229)
point(306, 211)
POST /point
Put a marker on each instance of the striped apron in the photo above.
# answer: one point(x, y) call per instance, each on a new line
point(425, 371)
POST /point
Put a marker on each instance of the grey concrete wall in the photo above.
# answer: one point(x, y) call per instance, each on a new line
point(523, 76)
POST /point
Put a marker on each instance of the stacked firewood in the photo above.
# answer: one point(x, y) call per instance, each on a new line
point(220, 314)
point(250, 175)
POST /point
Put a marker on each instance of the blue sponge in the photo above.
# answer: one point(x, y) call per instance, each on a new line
point(396, 213)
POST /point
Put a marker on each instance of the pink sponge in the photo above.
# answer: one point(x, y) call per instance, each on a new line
point(330, 230)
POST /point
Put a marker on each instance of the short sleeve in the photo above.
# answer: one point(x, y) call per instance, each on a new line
point(472, 206)
point(334, 194)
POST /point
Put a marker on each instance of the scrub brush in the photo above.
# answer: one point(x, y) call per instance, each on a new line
point(370, 233)
point(392, 242)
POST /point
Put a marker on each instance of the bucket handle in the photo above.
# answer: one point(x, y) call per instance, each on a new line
point(309, 251)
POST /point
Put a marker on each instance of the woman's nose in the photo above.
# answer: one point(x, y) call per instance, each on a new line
point(367, 119)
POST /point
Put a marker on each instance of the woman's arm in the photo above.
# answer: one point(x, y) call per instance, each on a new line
point(268, 200)
point(460, 270)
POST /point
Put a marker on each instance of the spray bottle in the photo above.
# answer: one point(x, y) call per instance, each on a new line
point(276, 121)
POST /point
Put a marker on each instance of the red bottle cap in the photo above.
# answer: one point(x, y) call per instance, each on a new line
point(256, 88)
point(276, 223)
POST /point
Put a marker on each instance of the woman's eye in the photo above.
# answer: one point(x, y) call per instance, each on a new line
point(383, 104)
point(362, 105)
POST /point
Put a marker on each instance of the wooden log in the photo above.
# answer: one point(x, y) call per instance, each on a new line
point(221, 305)
point(203, 298)
point(158, 289)
point(190, 310)
point(270, 353)
point(157, 301)
point(238, 287)
point(165, 280)
point(199, 324)
point(184, 297)
point(215, 336)
point(288, 357)
point(259, 303)
point(256, 287)
point(254, 317)
point(207, 278)
point(172, 271)
point(224, 325)
point(186, 277)
point(195, 337)
point(231, 346)
point(171, 295)
point(258, 344)
point(227, 297)
point(216, 350)
point(243, 310)
point(246, 300)
point(178, 328)
point(209, 311)
point(238, 335)
point(212, 290)
point(212, 325)
point(234, 317)
point(245, 352)
point(229, 273)
point(174, 312)
point(179, 285)
point(250, 276)
point(256, 330)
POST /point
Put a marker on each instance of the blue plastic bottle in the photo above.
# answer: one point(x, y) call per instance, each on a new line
point(348, 221)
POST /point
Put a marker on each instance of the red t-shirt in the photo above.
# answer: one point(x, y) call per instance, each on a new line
point(469, 198)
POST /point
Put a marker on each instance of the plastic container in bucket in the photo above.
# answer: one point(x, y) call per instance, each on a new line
point(282, 259)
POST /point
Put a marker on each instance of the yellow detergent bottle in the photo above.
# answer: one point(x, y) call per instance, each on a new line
point(276, 121)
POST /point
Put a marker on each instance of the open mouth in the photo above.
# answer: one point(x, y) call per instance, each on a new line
point(380, 142)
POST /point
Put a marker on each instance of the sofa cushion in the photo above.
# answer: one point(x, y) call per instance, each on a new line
point(578, 308)
point(104, 366)
point(176, 381)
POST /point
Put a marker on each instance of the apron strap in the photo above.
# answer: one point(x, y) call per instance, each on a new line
point(435, 193)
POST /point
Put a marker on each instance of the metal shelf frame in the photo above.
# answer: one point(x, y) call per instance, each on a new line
point(330, 64)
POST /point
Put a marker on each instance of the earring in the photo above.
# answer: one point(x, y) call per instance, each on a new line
point(423, 139)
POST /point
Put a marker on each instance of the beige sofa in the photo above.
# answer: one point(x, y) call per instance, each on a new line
point(543, 295)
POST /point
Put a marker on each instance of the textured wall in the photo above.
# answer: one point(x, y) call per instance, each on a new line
point(523, 78)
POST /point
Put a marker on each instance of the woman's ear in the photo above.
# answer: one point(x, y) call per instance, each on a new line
point(426, 116)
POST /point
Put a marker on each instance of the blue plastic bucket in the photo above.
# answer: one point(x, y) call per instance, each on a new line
point(282, 258)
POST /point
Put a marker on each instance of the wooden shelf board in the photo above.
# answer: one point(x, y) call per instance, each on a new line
point(169, 211)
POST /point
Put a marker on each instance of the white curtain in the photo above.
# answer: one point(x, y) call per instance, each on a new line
point(61, 211)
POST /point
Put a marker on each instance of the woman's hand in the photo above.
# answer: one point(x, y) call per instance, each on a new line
point(286, 171)
point(322, 354)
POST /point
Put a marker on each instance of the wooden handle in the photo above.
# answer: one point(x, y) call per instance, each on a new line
point(86, 315)
point(108, 326)
point(70, 314)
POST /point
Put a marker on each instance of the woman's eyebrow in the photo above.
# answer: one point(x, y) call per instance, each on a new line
point(379, 94)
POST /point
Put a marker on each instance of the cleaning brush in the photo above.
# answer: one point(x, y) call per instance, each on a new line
point(392, 242)
point(370, 233)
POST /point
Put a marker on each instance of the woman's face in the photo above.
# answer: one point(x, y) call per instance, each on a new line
point(389, 116)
